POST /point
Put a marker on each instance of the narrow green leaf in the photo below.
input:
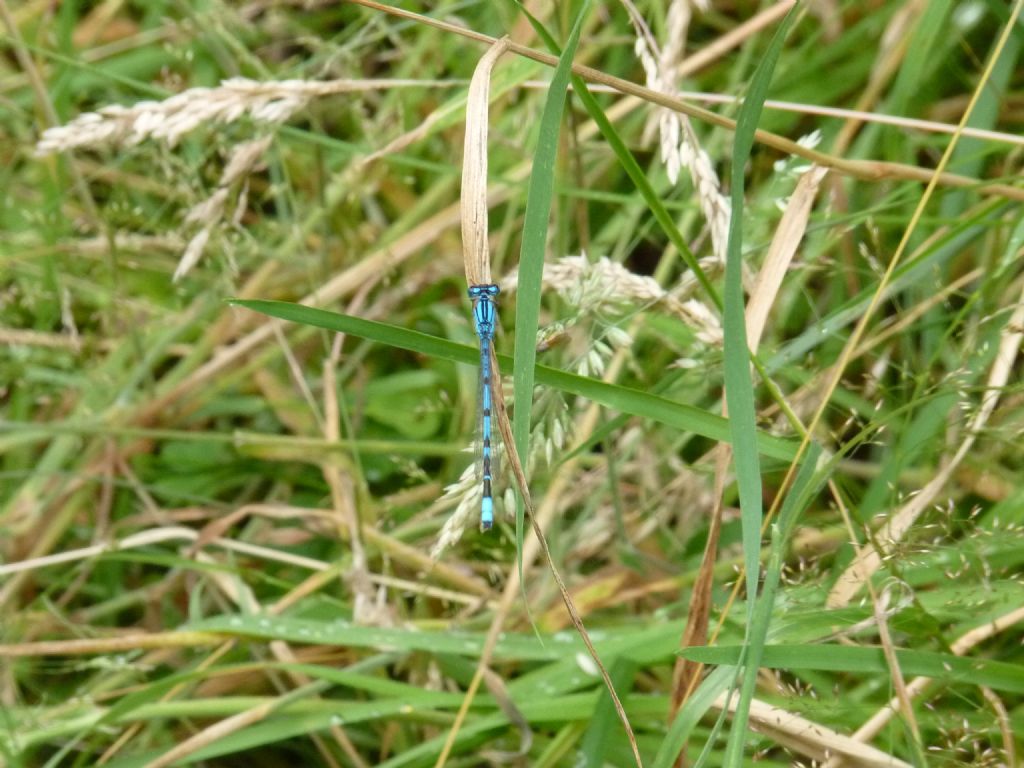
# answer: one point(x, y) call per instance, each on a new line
point(999, 675)
point(644, 186)
point(947, 246)
point(531, 255)
point(695, 708)
point(739, 387)
point(807, 481)
point(512, 646)
point(632, 401)
point(603, 726)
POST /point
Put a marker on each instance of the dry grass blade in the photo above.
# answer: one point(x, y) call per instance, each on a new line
point(733, 38)
point(474, 169)
point(880, 605)
point(229, 725)
point(284, 654)
point(531, 546)
point(129, 733)
point(155, 536)
point(811, 739)
point(210, 212)
point(892, 51)
point(280, 650)
point(687, 673)
point(780, 254)
point(499, 690)
point(474, 202)
point(240, 595)
point(364, 609)
point(136, 641)
point(21, 337)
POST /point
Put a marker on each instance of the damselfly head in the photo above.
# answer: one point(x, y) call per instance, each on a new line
point(479, 291)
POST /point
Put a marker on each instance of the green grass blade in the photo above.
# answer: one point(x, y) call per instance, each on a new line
point(682, 417)
point(796, 501)
point(468, 644)
point(531, 255)
point(946, 667)
point(695, 708)
point(603, 727)
point(739, 387)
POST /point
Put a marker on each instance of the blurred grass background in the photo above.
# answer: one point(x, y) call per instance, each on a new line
point(226, 522)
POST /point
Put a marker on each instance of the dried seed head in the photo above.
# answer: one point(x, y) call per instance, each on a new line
point(172, 118)
point(605, 285)
point(169, 120)
point(467, 491)
point(679, 145)
point(210, 212)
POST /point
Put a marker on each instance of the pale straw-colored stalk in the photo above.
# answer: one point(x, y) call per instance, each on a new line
point(785, 241)
point(808, 737)
point(475, 247)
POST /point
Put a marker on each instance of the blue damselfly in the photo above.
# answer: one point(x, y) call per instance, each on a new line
point(485, 319)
